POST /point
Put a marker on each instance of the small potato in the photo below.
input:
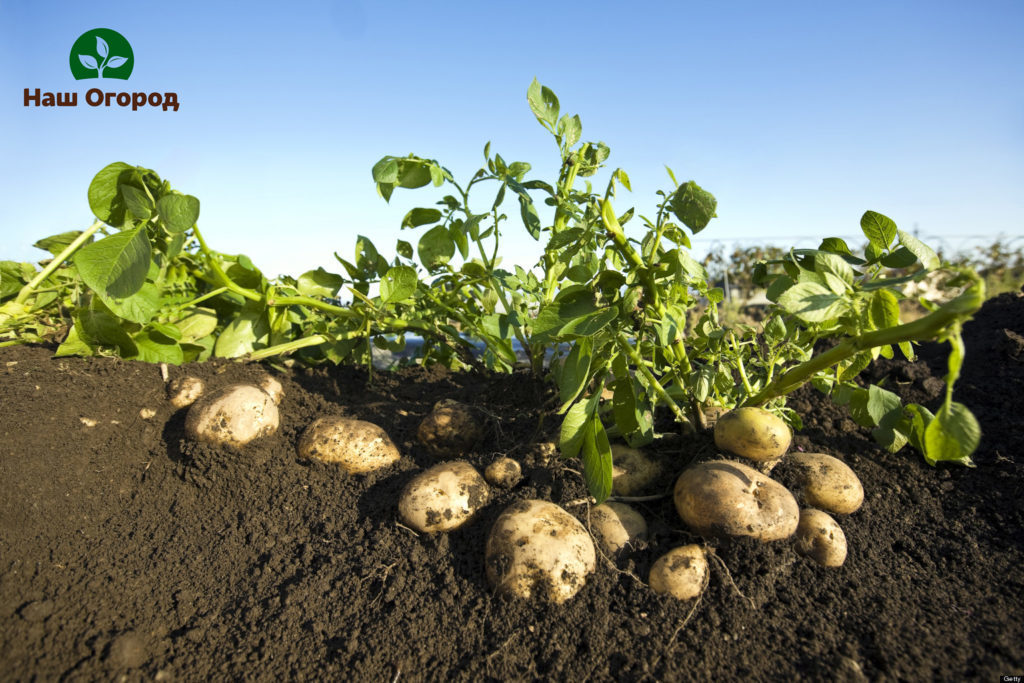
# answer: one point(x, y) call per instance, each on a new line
point(820, 538)
point(184, 391)
point(451, 429)
point(233, 415)
point(616, 525)
point(443, 497)
point(273, 387)
point(752, 433)
point(725, 498)
point(356, 445)
point(828, 483)
point(633, 470)
point(681, 572)
point(504, 472)
point(536, 548)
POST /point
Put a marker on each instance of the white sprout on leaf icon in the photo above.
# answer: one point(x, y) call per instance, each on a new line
point(89, 62)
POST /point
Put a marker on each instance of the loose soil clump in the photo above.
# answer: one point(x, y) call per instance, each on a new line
point(126, 548)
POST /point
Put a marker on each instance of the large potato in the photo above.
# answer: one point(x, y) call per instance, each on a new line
point(443, 497)
point(451, 429)
point(233, 416)
point(536, 548)
point(616, 525)
point(752, 433)
point(820, 538)
point(828, 483)
point(633, 470)
point(356, 445)
point(725, 498)
point(681, 572)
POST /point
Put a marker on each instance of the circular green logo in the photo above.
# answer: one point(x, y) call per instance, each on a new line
point(101, 53)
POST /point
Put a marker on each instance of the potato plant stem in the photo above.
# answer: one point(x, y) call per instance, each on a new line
point(923, 329)
point(628, 349)
point(59, 259)
point(215, 264)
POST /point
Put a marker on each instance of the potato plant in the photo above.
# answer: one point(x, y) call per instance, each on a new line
point(602, 311)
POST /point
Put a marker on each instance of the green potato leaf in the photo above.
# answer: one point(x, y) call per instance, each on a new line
point(116, 265)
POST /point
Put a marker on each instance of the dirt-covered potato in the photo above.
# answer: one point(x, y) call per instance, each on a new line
point(633, 470)
point(184, 391)
point(820, 538)
point(273, 387)
point(752, 433)
point(725, 498)
point(451, 429)
point(233, 415)
point(536, 548)
point(681, 572)
point(616, 525)
point(443, 497)
point(712, 414)
point(504, 472)
point(828, 483)
point(356, 445)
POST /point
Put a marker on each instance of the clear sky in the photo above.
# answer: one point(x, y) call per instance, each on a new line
point(798, 116)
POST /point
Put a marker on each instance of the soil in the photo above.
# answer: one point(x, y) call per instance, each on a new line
point(127, 551)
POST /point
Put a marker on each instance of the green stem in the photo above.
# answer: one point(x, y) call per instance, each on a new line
point(63, 256)
point(923, 329)
point(288, 347)
point(200, 299)
point(739, 364)
point(310, 302)
point(641, 367)
point(215, 264)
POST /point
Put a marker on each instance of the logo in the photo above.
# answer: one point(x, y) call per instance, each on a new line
point(101, 53)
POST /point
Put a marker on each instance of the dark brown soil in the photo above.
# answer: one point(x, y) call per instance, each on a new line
point(125, 549)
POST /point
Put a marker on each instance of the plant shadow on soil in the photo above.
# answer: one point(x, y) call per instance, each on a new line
point(126, 549)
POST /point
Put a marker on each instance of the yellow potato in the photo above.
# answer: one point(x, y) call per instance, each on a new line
point(681, 573)
point(356, 445)
point(537, 549)
point(820, 538)
point(828, 483)
point(504, 472)
point(451, 429)
point(725, 498)
point(633, 470)
point(752, 433)
point(443, 497)
point(232, 416)
point(616, 525)
point(184, 391)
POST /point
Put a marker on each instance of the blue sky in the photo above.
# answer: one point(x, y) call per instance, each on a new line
point(798, 116)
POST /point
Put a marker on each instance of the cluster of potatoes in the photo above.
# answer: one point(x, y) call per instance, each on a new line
point(536, 548)
point(727, 498)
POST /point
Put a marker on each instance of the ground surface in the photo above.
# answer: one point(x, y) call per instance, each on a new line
point(126, 550)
